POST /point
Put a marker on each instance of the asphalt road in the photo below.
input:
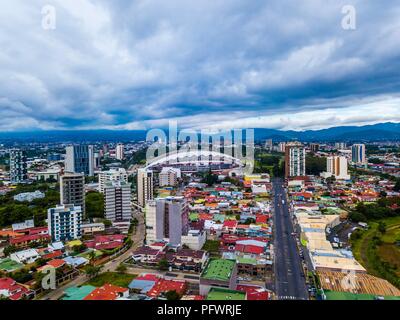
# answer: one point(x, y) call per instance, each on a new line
point(289, 276)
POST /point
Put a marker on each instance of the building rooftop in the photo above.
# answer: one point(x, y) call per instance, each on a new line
point(225, 294)
point(336, 295)
point(78, 293)
point(362, 283)
point(9, 265)
point(218, 269)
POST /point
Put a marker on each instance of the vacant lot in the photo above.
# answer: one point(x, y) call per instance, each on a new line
point(379, 253)
point(115, 278)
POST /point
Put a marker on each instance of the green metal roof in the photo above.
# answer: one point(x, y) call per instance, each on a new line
point(10, 265)
point(218, 269)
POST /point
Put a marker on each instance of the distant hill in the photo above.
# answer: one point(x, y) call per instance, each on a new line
point(377, 132)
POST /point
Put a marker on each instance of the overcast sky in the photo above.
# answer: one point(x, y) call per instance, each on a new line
point(207, 64)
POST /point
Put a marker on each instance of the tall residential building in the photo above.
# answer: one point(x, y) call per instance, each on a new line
point(314, 147)
point(358, 153)
point(114, 174)
point(337, 167)
point(18, 166)
point(268, 144)
point(295, 160)
point(167, 218)
point(117, 201)
point(72, 189)
point(282, 146)
point(65, 222)
point(145, 188)
point(80, 159)
point(119, 151)
point(97, 160)
point(341, 145)
point(169, 176)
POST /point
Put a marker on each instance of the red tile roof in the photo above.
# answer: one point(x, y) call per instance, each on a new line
point(249, 249)
point(106, 292)
point(261, 219)
point(15, 290)
point(230, 224)
point(164, 285)
point(53, 255)
point(30, 238)
point(254, 292)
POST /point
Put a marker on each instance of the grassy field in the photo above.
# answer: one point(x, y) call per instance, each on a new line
point(115, 278)
point(379, 253)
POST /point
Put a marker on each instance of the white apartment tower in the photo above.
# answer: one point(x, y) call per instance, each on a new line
point(144, 186)
point(65, 222)
point(114, 174)
point(117, 201)
point(119, 151)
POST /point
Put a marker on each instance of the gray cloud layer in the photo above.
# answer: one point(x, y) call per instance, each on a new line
point(210, 63)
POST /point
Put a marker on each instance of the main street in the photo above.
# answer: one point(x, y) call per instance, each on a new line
point(289, 276)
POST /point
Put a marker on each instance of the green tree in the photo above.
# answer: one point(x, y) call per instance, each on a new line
point(121, 268)
point(315, 165)
point(10, 249)
point(163, 264)
point(172, 295)
point(397, 186)
point(94, 204)
point(92, 271)
point(382, 227)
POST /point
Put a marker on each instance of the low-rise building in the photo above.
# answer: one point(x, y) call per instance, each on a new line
point(218, 273)
point(29, 196)
point(25, 256)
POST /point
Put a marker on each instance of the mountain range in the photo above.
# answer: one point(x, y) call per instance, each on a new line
point(378, 132)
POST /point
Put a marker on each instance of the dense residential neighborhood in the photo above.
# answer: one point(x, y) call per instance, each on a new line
point(196, 230)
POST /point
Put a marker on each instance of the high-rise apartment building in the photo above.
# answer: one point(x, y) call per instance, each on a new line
point(97, 160)
point(358, 154)
point(114, 174)
point(65, 222)
point(72, 190)
point(18, 166)
point(314, 147)
point(341, 145)
point(119, 151)
point(117, 201)
point(145, 188)
point(80, 159)
point(169, 177)
point(282, 146)
point(295, 160)
point(336, 167)
point(268, 144)
point(167, 219)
